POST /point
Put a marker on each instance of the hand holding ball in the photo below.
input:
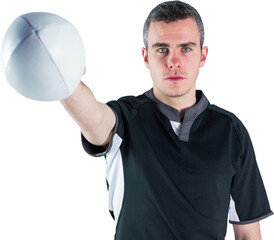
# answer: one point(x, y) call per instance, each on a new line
point(43, 56)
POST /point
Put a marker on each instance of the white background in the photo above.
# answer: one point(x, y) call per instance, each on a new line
point(49, 187)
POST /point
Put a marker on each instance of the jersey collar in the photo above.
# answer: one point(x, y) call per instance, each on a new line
point(173, 114)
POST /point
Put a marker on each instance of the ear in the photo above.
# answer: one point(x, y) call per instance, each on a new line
point(204, 56)
point(145, 56)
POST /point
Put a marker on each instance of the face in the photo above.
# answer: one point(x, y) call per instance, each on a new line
point(174, 57)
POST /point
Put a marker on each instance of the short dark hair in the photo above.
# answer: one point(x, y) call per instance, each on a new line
point(172, 11)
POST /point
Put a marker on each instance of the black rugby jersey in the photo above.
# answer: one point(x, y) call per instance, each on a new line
point(173, 179)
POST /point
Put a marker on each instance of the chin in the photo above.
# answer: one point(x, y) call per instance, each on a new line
point(179, 89)
point(176, 92)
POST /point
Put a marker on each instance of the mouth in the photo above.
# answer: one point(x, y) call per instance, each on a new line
point(174, 78)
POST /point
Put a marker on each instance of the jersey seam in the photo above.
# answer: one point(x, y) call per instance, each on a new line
point(35, 32)
point(210, 107)
point(262, 216)
point(135, 109)
point(193, 124)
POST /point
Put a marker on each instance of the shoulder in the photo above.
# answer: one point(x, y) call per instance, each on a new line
point(221, 115)
point(222, 112)
point(131, 102)
point(126, 107)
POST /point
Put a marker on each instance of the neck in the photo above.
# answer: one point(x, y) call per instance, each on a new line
point(179, 102)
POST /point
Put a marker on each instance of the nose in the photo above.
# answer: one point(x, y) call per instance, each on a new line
point(174, 62)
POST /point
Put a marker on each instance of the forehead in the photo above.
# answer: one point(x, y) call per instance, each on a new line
point(174, 32)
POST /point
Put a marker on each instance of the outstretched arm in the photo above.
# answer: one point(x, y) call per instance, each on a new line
point(95, 119)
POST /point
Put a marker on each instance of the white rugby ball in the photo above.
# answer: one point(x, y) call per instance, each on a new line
point(43, 56)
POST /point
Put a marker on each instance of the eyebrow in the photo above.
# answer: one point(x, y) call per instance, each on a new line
point(155, 45)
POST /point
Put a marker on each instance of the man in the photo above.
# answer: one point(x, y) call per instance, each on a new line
point(176, 165)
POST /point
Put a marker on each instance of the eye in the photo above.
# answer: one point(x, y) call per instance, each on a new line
point(162, 50)
point(186, 49)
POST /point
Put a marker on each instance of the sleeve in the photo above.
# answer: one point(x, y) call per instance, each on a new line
point(99, 151)
point(248, 199)
point(123, 109)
